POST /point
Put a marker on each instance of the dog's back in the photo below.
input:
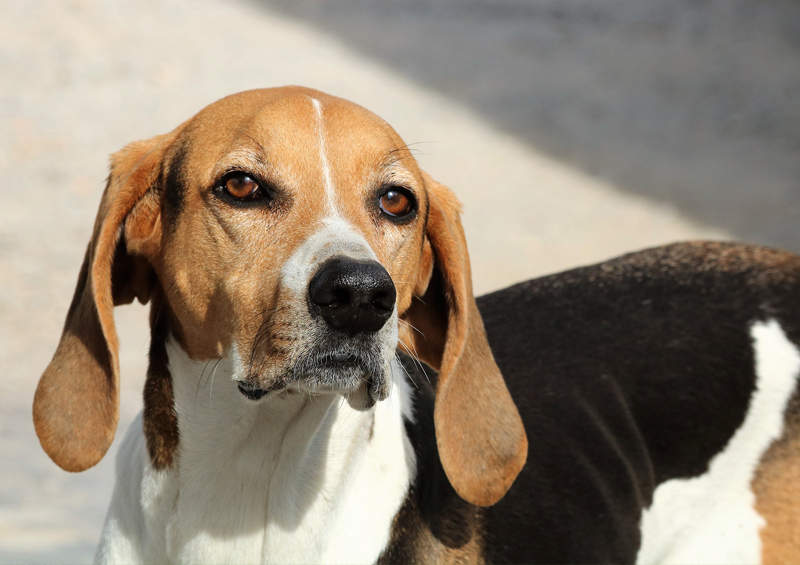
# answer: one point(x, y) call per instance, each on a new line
point(659, 392)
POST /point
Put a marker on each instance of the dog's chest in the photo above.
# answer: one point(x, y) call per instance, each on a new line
point(311, 480)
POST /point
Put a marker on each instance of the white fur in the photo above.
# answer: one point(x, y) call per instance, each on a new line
point(327, 180)
point(289, 479)
point(711, 518)
point(335, 236)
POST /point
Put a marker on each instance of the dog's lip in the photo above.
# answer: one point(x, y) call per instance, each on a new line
point(253, 391)
point(340, 359)
point(323, 370)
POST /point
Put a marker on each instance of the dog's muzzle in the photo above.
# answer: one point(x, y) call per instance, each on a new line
point(350, 302)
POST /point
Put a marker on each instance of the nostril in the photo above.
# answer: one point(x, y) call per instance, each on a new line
point(383, 299)
point(340, 296)
point(326, 289)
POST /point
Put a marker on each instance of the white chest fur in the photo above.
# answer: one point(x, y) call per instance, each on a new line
point(290, 479)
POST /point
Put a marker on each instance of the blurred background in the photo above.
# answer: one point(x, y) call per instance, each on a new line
point(571, 130)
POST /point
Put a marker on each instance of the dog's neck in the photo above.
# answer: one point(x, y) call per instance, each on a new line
point(285, 479)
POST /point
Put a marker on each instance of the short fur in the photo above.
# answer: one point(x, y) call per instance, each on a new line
point(634, 378)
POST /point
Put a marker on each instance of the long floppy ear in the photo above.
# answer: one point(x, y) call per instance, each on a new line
point(76, 406)
point(479, 432)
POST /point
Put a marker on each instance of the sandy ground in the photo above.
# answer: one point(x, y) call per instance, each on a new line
point(80, 79)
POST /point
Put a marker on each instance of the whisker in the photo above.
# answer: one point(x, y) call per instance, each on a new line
point(411, 350)
point(410, 325)
point(395, 154)
point(213, 375)
point(199, 384)
point(406, 373)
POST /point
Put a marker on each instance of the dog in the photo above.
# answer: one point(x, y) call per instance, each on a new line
point(324, 387)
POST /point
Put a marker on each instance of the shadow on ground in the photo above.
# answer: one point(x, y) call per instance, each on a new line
point(689, 102)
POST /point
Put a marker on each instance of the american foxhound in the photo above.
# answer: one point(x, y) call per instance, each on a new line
point(288, 244)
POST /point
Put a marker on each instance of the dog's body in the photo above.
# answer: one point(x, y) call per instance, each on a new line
point(289, 244)
point(660, 396)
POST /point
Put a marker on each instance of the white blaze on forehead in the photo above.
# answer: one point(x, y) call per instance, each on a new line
point(327, 180)
point(336, 236)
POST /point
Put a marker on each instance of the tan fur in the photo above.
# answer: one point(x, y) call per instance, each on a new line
point(479, 433)
point(777, 489)
point(242, 251)
point(215, 270)
point(76, 405)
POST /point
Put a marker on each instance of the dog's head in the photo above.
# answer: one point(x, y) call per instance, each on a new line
point(295, 232)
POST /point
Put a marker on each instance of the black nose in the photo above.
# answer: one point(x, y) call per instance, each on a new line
point(352, 296)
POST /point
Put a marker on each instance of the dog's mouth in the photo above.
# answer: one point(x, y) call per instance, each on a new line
point(332, 370)
point(342, 359)
point(253, 391)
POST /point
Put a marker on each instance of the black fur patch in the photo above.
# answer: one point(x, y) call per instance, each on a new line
point(160, 421)
point(627, 374)
point(174, 182)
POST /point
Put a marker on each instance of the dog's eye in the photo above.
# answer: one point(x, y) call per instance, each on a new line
point(241, 188)
point(397, 202)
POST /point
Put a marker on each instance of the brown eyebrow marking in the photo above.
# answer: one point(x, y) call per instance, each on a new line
point(253, 151)
point(260, 155)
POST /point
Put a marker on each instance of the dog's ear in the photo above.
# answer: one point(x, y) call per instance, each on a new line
point(479, 432)
point(76, 406)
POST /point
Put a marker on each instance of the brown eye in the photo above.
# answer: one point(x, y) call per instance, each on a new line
point(397, 203)
point(241, 186)
point(242, 189)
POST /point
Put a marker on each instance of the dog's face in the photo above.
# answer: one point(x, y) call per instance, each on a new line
point(294, 232)
point(290, 240)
